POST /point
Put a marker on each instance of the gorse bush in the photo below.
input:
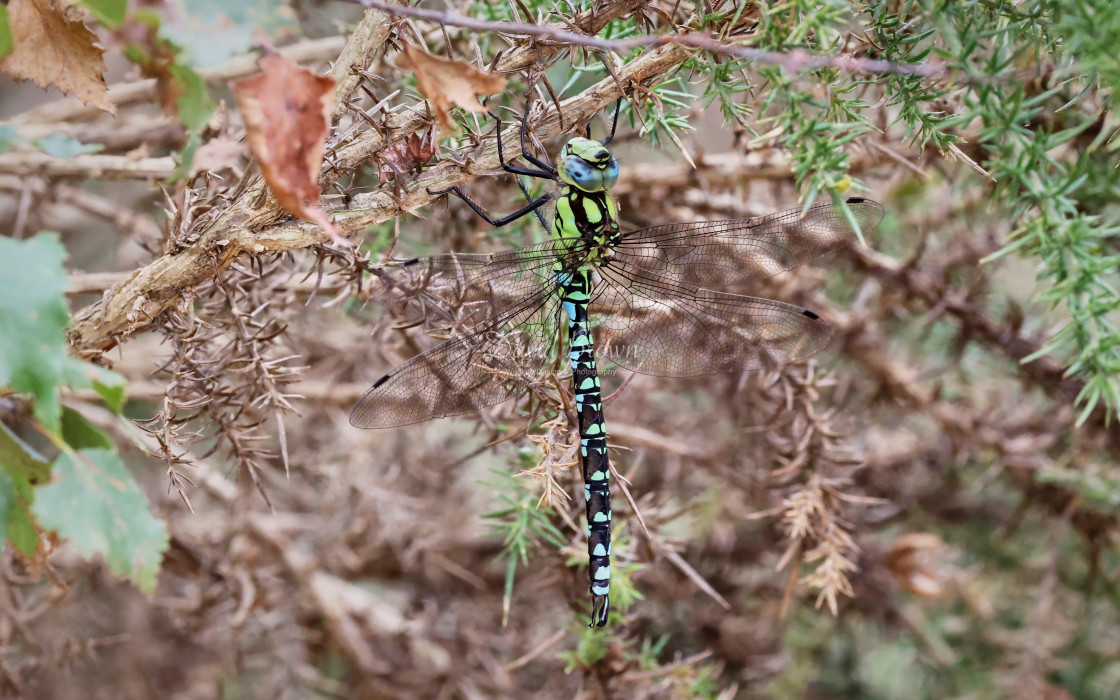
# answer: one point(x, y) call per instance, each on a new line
point(191, 300)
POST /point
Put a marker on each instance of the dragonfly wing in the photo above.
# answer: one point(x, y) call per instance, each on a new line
point(654, 326)
point(722, 254)
point(503, 309)
point(460, 291)
point(469, 372)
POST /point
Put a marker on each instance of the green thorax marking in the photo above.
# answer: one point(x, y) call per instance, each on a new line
point(584, 209)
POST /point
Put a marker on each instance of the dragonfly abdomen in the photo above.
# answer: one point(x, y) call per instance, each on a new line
point(575, 294)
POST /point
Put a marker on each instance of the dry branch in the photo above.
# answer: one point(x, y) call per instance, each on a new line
point(792, 60)
point(247, 226)
point(103, 167)
point(122, 94)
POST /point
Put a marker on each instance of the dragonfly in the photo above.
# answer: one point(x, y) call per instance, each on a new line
point(652, 300)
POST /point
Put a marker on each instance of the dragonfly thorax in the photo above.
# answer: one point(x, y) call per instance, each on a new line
point(587, 165)
point(588, 217)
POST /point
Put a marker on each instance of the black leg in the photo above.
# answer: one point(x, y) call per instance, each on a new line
point(537, 211)
point(547, 172)
point(524, 151)
point(614, 124)
point(531, 206)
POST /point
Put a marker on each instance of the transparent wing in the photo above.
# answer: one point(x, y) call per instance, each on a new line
point(461, 291)
point(504, 310)
point(722, 254)
point(651, 325)
point(481, 368)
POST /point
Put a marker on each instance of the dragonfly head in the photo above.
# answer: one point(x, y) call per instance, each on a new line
point(587, 165)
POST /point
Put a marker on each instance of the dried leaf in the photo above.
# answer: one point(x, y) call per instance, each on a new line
point(218, 154)
point(286, 110)
point(53, 47)
point(406, 156)
point(445, 83)
point(914, 560)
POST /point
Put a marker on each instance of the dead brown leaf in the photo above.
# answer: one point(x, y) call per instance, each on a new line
point(52, 46)
point(218, 154)
point(915, 560)
point(156, 59)
point(444, 83)
point(406, 156)
point(286, 110)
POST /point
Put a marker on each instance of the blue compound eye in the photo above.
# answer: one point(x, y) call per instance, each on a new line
point(610, 174)
point(583, 175)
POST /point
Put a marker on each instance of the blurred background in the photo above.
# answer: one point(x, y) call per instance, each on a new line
point(925, 509)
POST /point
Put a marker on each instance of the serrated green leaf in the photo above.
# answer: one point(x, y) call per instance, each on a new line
point(59, 145)
point(5, 33)
point(80, 434)
point(33, 318)
point(109, 385)
point(20, 464)
point(111, 13)
point(93, 501)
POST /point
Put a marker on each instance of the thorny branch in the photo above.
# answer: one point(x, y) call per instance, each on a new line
point(232, 362)
point(123, 94)
point(792, 61)
point(247, 227)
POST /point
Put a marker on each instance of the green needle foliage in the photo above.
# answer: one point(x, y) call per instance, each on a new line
point(522, 526)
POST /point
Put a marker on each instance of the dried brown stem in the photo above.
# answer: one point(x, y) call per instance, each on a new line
point(121, 94)
point(92, 165)
point(244, 227)
point(791, 61)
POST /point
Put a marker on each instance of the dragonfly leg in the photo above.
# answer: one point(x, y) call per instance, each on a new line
point(502, 221)
point(614, 124)
point(546, 171)
point(529, 197)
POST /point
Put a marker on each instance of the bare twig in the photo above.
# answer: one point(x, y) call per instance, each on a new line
point(121, 94)
point(792, 61)
point(246, 228)
point(90, 165)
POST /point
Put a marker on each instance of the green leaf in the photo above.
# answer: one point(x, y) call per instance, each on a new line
point(59, 145)
point(5, 32)
point(17, 457)
point(18, 521)
point(186, 157)
point(195, 105)
point(20, 466)
point(80, 434)
point(94, 502)
point(109, 385)
point(111, 13)
point(8, 134)
point(9, 501)
point(211, 31)
point(33, 320)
